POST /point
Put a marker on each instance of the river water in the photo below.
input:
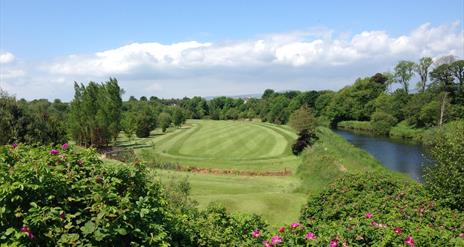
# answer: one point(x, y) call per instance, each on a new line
point(395, 154)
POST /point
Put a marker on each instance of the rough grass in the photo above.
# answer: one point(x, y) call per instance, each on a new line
point(356, 125)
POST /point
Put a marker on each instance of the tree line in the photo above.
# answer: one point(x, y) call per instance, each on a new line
point(97, 114)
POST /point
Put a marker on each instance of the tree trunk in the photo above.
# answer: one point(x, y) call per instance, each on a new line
point(442, 110)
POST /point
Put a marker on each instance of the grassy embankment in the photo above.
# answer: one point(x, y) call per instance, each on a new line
point(253, 146)
point(400, 131)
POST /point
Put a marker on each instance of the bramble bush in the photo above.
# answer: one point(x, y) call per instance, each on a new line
point(371, 209)
point(58, 196)
point(445, 179)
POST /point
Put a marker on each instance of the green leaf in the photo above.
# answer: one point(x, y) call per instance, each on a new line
point(88, 228)
point(121, 231)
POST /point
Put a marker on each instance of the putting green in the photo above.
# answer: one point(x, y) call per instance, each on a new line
point(240, 145)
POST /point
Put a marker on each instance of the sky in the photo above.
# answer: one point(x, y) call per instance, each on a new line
point(210, 48)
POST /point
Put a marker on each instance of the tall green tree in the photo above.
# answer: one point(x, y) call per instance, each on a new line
point(404, 71)
point(95, 113)
point(422, 69)
point(303, 118)
point(164, 120)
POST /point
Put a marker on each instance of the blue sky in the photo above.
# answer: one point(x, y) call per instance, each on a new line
point(42, 42)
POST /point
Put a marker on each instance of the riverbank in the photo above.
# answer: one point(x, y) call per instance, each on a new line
point(333, 157)
point(400, 131)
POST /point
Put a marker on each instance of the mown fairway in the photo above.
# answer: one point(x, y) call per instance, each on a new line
point(238, 145)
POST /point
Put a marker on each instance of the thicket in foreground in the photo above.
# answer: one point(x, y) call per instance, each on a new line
point(54, 197)
point(371, 209)
point(445, 179)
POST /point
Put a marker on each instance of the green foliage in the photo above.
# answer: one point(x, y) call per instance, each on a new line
point(37, 122)
point(70, 198)
point(164, 120)
point(306, 137)
point(404, 131)
point(365, 209)
point(373, 209)
point(404, 71)
point(445, 179)
point(382, 122)
point(356, 125)
point(215, 227)
point(302, 119)
point(95, 113)
point(354, 102)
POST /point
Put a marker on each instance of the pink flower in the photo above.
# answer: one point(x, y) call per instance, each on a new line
point(62, 215)
point(54, 152)
point(65, 146)
point(310, 235)
point(282, 229)
point(333, 243)
point(28, 231)
point(295, 225)
point(256, 234)
point(266, 244)
point(461, 235)
point(276, 240)
point(375, 224)
point(369, 215)
point(398, 230)
point(409, 241)
point(14, 145)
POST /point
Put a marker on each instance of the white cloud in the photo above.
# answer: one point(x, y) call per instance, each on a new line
point(314, 58)
point(6, 57)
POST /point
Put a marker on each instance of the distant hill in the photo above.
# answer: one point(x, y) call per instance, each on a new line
point(243, 96)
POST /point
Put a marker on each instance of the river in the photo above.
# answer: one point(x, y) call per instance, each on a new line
point(395, 154)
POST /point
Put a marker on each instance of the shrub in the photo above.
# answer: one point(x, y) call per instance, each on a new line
point(305, 138)
point(382, 122)
point(374, 209)
point(445, 179)
point(60, 197)
point(303, 119)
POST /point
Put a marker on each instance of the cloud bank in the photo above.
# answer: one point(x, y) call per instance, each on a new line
point(308, 59)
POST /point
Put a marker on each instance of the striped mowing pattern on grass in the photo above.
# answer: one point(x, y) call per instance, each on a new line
point(240, 145)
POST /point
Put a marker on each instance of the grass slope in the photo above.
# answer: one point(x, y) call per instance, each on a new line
point(332, 157)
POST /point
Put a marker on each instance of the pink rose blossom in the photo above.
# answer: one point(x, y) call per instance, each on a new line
point(461, 235)
point(276, 240)
point(28, 231)
point(333, 243)
point(65, 146)
point(398, 230)
point(369, 215)
point(282, 229)
point(295, 225)
point(266, 244)
point(409, 241)
point(14, 145)
point(375, 224)
point(256, 234)
point(310, 235)
point(54, 152)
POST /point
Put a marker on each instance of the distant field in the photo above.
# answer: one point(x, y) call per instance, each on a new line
point(237, 145)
